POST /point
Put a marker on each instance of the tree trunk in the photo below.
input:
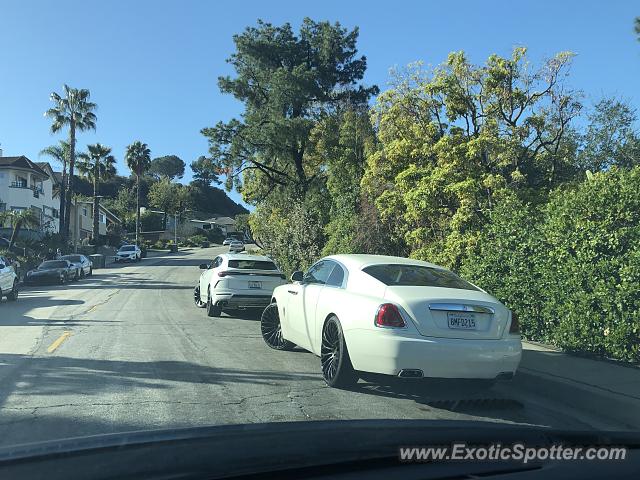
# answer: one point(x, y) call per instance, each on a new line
point(69, 194)
point(137, 207)
point(62, 193)
point(96, 209)
point(14, 233)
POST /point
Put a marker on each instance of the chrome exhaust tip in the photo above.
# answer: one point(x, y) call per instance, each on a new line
point(410, 373)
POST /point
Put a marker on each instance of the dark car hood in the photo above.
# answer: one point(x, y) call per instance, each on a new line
point(47, 271)
point(229, 450)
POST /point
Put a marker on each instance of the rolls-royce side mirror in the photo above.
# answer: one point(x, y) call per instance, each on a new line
point(297, 276)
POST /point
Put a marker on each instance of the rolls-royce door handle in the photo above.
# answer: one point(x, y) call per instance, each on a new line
point(293, 292)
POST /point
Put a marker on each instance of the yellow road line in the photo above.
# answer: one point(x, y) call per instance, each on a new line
point(58, 342)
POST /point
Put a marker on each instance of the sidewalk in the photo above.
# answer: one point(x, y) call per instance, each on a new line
point(604, 387)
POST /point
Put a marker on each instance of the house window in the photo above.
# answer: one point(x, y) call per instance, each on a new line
point(103, 219)
point(206, 226)
point(84, 211)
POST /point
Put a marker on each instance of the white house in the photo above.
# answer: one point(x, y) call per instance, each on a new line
point(28, 185)
point(226, 224)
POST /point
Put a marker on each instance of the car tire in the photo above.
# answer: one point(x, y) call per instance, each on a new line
point(196, 298)
point(272, 329)
point(90, 271)
point(13, 295)
point(212, 310)
point(337, 370)
point(63, 279)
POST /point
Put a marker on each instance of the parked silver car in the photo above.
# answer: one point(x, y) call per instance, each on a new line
point(83, 265)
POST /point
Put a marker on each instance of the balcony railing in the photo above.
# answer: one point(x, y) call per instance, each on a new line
point(37, 191)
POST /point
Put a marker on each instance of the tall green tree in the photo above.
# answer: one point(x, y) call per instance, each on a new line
point(97, 165)
point(60, 153)
point(163, 195)
point(205, 170)
point(453, 141)
point(170, 166)
point(19, 219)
point(286, 81)
point(72, 109)
point(138, 158)
point(611, 138)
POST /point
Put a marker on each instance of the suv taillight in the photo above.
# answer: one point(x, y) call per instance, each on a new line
point(388, 315)
point(223, 274)
point(515, 323)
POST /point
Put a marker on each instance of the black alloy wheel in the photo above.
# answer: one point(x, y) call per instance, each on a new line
point(13, 295)
point(272, 330)
point(196, 298)
point(212, 310)
point(337, 370)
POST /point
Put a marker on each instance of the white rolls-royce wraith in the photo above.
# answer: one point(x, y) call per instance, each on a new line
point(392, 316)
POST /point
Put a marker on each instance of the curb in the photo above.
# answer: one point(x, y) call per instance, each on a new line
point(619, 408)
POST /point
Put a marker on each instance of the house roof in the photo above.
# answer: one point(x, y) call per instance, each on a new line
point(46, 167)
point(22, 162)
point(222, 220)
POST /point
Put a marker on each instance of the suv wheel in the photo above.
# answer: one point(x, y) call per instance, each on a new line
point(212, 310)
point(13, 295)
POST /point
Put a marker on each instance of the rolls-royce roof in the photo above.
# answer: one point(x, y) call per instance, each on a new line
point(358, 261)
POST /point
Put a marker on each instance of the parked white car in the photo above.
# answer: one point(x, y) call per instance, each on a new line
point(8, 280)
point(128, 253)
point(236, 246)
point(237, 281)
point(227, 241)
point(392, 316)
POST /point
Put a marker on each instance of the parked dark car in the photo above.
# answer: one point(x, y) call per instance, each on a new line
point(83, 265)
point(58, 271)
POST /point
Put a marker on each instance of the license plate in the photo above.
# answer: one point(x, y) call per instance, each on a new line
point(461, 321)
point(255, 284)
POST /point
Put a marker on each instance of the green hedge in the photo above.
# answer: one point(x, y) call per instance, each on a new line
point(571, 268)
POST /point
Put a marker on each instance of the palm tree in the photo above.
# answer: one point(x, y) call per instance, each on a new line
point(18, 219)
point(60, 153)
point(72, 109)
point(138, 159)
point(97, 165)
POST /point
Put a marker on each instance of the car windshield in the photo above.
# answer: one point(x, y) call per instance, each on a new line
point(263, 212)
point(52, 264)
point(417, 276)
point(252, 265)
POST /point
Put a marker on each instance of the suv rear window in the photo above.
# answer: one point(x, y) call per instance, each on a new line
point(252, 265)
point(417, 276)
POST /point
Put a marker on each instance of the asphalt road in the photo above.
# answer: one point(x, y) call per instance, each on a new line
point(128, 350)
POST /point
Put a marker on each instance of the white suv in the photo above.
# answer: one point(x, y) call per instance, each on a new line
point(8, 280)
point(131, 253)
point(237, 281)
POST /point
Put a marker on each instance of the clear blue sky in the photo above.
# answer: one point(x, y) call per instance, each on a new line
point(152, 66)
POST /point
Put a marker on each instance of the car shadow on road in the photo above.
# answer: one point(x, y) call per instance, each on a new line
point(114, 280)
point(59, 375)
point(457, 396)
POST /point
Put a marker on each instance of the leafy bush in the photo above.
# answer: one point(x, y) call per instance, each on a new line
point(571, 269)
point(197, 240)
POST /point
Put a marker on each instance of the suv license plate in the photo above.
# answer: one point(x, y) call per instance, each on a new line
point(461, 321)
point(255, 284)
